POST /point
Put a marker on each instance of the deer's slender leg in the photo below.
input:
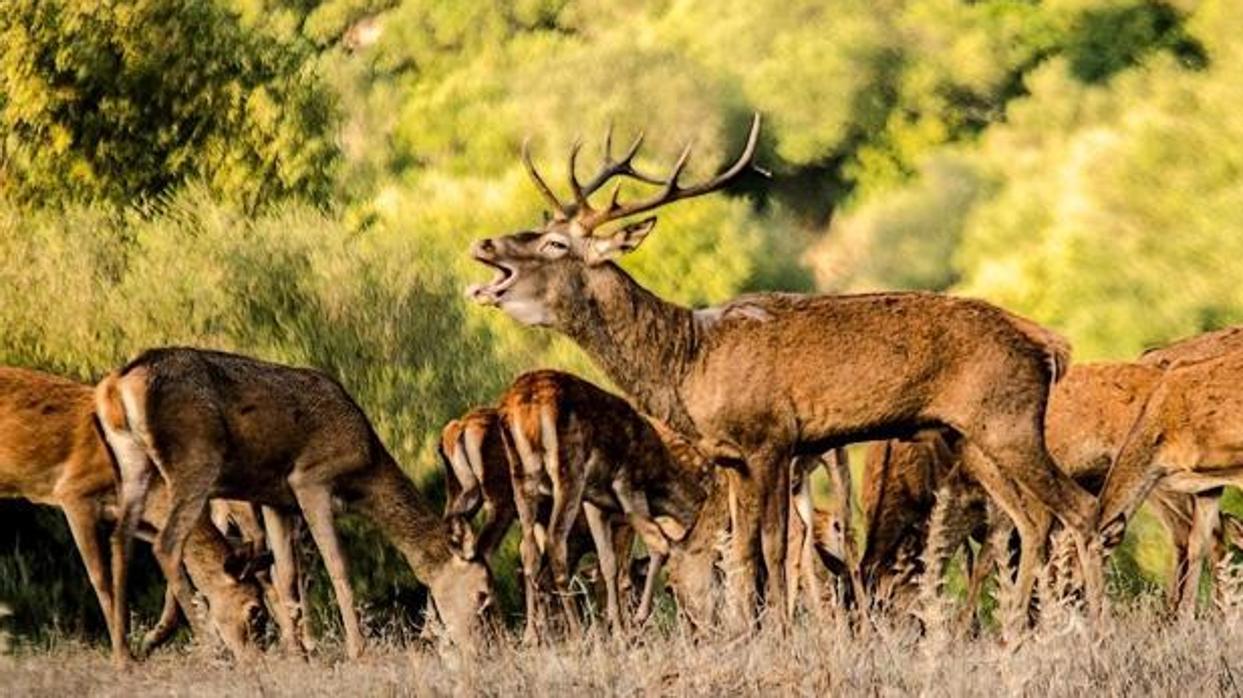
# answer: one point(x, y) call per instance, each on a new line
point(773, 477)
point(315, 500)
point(1031, 519)
point(165, 626)
point(188, 504)
point(288, 601)
point(526, 468)
point(655, 562)
point(567, 496)
point(742, 567)
point(602, 536)
point(135, 482)
point(1204, 523)
point(83, 519)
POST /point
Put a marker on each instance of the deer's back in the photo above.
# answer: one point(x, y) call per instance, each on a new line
point(1194, 349)
point(264, 417)
point(49, 446)
point(1091, 411)
point(841, 365)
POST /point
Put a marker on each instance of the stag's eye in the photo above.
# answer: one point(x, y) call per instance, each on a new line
point(555, 246)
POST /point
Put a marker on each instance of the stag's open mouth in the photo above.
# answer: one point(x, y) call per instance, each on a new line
point(491, 292)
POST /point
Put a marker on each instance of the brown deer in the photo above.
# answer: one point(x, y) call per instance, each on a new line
point(775, 375)
point(52, 452)
point(1187, 439)
point(477, 478)
point(268, 531)
point(594, 452)
point(229, 426)
point(1090, 415)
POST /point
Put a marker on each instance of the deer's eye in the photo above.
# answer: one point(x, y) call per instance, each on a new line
point(556, 246)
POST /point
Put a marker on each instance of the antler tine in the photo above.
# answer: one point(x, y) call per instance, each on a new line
point(545, 191)
point(580, 198)
point(671, 191)
point(618, 168)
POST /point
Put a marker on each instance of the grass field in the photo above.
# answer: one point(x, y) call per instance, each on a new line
point(1138, 654)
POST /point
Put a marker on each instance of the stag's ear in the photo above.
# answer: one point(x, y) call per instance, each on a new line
point(623, 240)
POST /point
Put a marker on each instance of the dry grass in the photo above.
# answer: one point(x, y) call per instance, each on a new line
point(1140, 655)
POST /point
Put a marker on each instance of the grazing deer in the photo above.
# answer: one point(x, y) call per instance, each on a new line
point(222, 425)
point(52, 452)
point(267, 531)
point(1090, 415)
point(476, 467)
point(775, 375)
point(477, 477)
point(1186, 439)
point(594, 452)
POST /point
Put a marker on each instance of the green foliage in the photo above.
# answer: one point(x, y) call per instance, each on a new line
point(108, 101)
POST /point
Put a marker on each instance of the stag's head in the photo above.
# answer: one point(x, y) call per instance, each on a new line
point(543, 275)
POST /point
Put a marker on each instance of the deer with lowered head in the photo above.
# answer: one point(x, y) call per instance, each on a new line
point(218, 425)
point(594, 452)
point(1091, 413)
point(1187, 439)
point(52, 452)
point(266, 531)
point(477, 479)
point(771, 376)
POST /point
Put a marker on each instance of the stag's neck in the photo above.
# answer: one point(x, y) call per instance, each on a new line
point(391, 500)
point(644, 343)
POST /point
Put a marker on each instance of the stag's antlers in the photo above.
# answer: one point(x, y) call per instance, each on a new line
point(590, 218)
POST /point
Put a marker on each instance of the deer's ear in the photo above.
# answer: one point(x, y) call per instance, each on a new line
point(623, 240)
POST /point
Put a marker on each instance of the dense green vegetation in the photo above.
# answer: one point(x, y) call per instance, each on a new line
point(299, 180)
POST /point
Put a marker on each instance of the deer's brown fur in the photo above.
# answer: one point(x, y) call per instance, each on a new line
point(476, 469)
point(772, 376)
point(1188, 439)
point(223, 425)
point(270, 532)
point(52, 452)
point(594, 452)
point(1092, 410)
point(1192, 349)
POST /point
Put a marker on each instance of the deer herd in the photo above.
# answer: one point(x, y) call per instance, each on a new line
point(981, 430)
